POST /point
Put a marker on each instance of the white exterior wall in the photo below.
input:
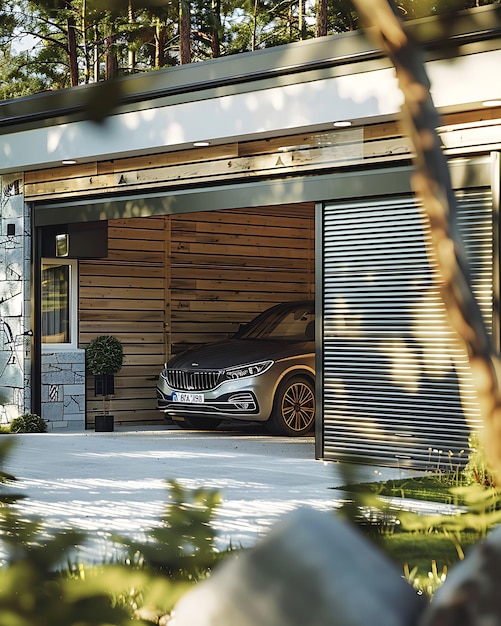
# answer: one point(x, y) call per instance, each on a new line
point(367, 96)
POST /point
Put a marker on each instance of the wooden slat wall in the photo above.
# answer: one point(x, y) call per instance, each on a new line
point(170, 282)
point(125, 295)
point(227, 266)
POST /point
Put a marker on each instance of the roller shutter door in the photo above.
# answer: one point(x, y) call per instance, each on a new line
point(396, 385)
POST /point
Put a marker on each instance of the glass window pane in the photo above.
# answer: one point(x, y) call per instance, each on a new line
point(55, 303)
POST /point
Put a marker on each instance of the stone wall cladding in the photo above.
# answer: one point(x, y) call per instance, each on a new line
point(63, 389)
point(15, 264)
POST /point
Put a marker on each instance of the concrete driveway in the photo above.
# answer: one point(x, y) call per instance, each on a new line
point(116, 482)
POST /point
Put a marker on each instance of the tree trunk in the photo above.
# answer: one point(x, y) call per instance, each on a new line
point(254, 27)
point(431, 183)
point(111, 59)
point(95, 60)
point(72, 51)
point(302, 21)
point(131, 55)
point(160, 37)
point(184, 32)
point(85, 47)
point(321, 22)
point(215, 29)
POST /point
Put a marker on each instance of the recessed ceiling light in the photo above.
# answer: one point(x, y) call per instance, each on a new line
point(342, 124)
point(491, 103)
point(201, 144)
point(68, 162)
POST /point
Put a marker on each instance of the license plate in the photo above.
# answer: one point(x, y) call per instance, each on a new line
point(188, 398)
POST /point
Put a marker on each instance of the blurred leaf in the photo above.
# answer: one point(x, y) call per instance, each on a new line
point(102, 99)
point(183, 547)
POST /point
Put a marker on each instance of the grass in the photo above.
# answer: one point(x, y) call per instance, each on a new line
point(424, 546)
point(419, 549)
point(428, 488)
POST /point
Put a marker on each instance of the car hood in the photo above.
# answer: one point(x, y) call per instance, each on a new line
point(224, 354)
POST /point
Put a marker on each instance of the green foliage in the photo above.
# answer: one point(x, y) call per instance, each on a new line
point(183, 546)
point(34, 591)
point(6, 479)
point(481, 512)
point(390, 513)
point(104, 355)
point(426, 487)
point(41, 583)
point(32, 588)
point(428, 584)
point(477, 469)
point(144, 35)
point(28, 423)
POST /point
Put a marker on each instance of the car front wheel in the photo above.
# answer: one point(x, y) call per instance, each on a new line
point(294, 407)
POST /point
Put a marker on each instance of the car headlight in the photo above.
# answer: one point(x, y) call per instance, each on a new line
point(244, 371)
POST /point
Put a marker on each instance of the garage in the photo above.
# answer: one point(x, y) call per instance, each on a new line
point(395, 385)
point(191, 228)
point(172, 282)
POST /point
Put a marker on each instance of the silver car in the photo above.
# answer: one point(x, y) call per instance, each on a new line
point(264, 373)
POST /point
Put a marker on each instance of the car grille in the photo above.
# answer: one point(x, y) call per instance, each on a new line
point(182, 380)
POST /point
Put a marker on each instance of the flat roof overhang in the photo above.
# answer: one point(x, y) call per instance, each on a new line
point(285, 90)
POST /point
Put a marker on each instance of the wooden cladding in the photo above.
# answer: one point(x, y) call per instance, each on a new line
point(301, 154)
point(228, 266)
point(125, 295)
point(171, 282)
point(285, 156)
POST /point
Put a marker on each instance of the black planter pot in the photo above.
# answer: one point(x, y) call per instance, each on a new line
point(104, 424)
point(104, 384)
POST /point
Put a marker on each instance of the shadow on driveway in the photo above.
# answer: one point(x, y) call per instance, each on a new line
point(107, 483)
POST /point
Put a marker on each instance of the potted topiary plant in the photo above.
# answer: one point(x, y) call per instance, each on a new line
point(104, 357)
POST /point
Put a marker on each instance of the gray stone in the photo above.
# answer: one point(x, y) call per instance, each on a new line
point(11, 373)
point(48, 358)
point(15, 293)
point(74, 404)
point(74, 390)
point(52, 411)
point(15, 205)
point(57, 425)
point(58, 376)
point(12, 305)
point(470, 595)
point(75, 420)
point(15, 256)
point(73, 357)
point(45, 393)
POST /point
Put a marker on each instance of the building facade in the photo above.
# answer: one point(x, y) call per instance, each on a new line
point(216, 190)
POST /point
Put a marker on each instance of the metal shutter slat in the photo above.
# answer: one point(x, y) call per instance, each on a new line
point(397, 385)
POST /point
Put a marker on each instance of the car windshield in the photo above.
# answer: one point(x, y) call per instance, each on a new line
point(282, 324)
